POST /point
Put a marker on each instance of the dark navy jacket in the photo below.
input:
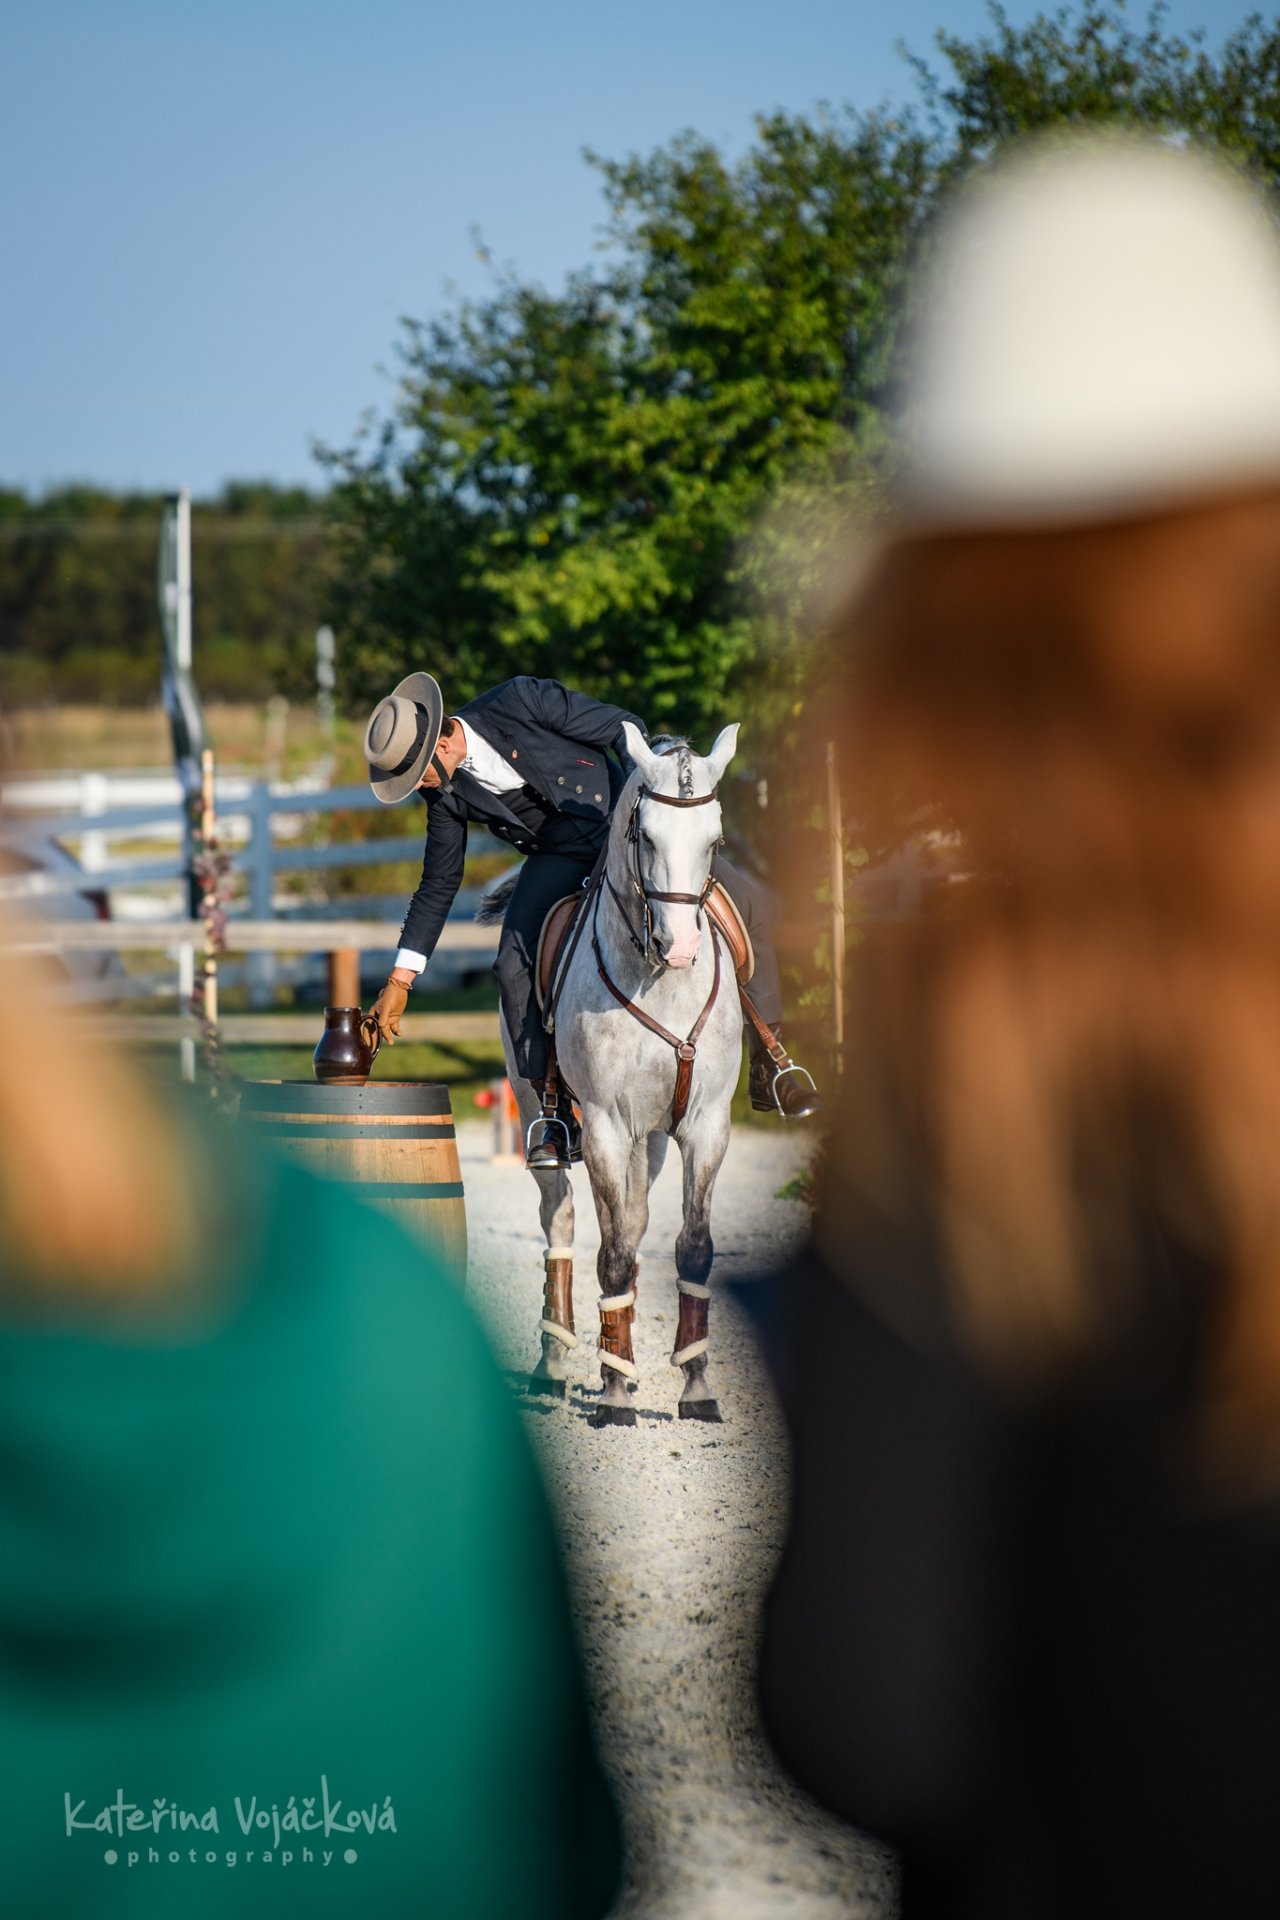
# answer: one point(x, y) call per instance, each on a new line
point(561, 744)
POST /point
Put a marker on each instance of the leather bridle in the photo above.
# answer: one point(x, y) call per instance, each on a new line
point(685, 1050)
point(636, 874)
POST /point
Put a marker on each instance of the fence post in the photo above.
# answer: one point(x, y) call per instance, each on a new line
point(186, 991)
point(836, 829)
point(93, 799)
point(211, 904)
point(262, 966)
point(326, 682)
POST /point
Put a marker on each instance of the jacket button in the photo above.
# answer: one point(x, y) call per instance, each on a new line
point(514, 753)
point(598, 798)
point(559, 779)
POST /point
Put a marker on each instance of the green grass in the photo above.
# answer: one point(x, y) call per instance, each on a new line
point(466, 1067)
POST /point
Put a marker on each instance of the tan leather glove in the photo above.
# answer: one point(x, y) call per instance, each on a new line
point(388, 1007)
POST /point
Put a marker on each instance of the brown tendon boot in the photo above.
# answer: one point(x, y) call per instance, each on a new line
point(697, 1402)
point(556, 1325)
point(617, 1360)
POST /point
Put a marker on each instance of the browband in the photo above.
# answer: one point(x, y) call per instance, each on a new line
point(675, 800)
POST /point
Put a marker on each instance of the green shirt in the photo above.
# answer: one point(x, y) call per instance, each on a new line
point(284, 1549)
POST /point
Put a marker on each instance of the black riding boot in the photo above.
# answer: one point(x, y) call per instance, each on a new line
point(777, 1085)
point(560, 1142)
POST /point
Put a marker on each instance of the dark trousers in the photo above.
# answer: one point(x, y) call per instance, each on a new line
point(546, 878)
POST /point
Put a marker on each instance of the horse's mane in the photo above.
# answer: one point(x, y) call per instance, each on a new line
point(664, 744)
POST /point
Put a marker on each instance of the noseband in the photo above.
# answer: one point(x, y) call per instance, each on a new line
point(645, 893)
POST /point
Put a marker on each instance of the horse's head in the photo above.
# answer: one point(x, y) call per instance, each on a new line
point(668, 821)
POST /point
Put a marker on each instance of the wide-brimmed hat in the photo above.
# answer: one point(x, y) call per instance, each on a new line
point(1098, 335)
point(401, 736)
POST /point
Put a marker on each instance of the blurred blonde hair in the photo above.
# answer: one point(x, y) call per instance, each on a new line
point(1087, 724)
point(96, 1198)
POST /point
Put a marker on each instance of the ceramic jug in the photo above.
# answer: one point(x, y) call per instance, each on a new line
point(347, 1048)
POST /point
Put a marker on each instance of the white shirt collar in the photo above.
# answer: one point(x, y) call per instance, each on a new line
point(484, 763)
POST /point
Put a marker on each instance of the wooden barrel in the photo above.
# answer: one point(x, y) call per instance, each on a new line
point(391, 1141)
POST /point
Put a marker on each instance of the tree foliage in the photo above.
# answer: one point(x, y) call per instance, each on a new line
point(624, 483)
point(1092, 65)
point(568, 483)
point(565, 481)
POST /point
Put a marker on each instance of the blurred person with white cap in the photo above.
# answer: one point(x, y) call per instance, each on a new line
point(1024, 1622)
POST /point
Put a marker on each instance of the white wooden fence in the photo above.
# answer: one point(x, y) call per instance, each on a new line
point(260, 824)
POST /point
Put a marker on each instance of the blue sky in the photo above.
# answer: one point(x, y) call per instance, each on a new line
point(212, 218)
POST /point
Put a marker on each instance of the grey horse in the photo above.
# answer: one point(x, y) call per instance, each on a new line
point(639, 980)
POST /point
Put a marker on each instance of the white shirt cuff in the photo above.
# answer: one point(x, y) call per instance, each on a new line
point(415, 962)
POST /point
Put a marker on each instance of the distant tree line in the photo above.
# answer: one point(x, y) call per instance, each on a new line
point(79, 618)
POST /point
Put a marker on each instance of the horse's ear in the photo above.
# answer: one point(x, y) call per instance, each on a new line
point(638, 749)
point(722, 753)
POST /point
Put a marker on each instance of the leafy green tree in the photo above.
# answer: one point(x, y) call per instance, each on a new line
point(1092, 65)
point(565, 482)
point(574, 484)
point(632, 484)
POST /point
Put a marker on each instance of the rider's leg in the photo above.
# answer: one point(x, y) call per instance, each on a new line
point(544, 879)
point(772, 1090)
point(753, 903)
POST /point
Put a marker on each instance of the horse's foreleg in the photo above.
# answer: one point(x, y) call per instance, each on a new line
point(646, 1163)
point(555, 1209)
point(610, 1162)
point(694, 1253)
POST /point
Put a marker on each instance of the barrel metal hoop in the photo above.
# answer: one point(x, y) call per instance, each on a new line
point(411, 1189)
point(414, 1100)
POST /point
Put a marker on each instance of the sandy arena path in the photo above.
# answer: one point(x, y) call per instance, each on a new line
point(670, 1530)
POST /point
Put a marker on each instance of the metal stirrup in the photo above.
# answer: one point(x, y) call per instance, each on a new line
point(780, 1073)
point(546, 1121)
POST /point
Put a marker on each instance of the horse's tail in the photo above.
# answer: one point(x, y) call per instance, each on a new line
point(494, 904)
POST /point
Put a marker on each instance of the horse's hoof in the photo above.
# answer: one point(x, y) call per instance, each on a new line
point(545, 1384)
point(701, 1410)
point(609, 1414)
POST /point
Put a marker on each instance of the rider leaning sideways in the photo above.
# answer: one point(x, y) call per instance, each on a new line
point(541, 768)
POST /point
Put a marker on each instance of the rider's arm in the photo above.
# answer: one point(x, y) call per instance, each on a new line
point(576, 716)
point(442, 865)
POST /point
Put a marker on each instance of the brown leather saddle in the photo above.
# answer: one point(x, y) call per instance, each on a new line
point(560, 918)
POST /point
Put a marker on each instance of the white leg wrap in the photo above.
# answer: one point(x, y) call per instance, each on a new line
point(557, 1253)
point(627, 1368)
point(694, 1290)
point(617, 1301)
point(562, 1334)
point(694, 1351)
